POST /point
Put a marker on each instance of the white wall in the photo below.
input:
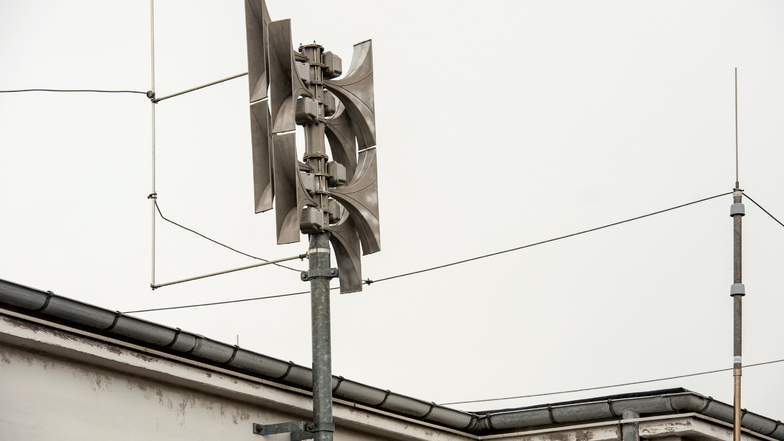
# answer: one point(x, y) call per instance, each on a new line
point(58, 385)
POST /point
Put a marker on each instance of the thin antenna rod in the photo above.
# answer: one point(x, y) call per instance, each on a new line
point(737, 179)
point(153, 194)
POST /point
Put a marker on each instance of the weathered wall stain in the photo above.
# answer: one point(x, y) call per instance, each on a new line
point(95, 379)
point(10, 354)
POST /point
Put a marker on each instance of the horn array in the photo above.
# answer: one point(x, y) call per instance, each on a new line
point(305, 87)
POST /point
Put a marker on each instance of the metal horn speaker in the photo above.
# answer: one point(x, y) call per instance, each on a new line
point(290, 194)
point(342, 140)
point(355, 91)
point(360, 198)
point(345, 243)
point(257, 19)
point(261, 142)
point(285, 83)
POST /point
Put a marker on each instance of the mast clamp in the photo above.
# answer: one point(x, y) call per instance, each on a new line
point(330, 273)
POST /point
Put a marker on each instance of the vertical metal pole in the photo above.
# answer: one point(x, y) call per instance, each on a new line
point(738, 290)
point(319, 254)
point(153, 195)
point(322, 345)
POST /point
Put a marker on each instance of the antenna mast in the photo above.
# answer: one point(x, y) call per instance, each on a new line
point(737, 291)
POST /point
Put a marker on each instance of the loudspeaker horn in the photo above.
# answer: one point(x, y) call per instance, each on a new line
point(261, 140)
point(285, 83)
point(360, 198)
point(342, 141)
point(290, 195)
point(355, 90)
point(257, 19)
point(345, 243)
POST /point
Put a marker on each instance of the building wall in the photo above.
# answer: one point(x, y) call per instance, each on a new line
point(62, 384)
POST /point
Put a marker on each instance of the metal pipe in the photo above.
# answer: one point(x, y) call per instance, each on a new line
point(269, 262)
point(737, 290)
point(157, 100)
point(737, 293)
point(318, 270)
point(630, 431)
point(153, 194)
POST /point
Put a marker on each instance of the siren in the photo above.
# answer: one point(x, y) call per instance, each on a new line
point(345, 243)
point(342, 141)
point(355, 91)
point(360, 198)
point(286, 85)
point(291, 194)
point(257, 20)
point(261, 141)
point(289, 88)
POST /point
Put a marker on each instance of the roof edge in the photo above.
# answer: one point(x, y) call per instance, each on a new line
point(46, 304)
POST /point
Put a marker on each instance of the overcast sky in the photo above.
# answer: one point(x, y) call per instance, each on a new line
point(499, 124)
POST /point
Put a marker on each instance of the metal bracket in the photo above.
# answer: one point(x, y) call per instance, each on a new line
point(315, 274)
point(299, 430)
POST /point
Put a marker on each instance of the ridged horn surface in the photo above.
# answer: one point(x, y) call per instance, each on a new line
point(360, 198)
point(290, 195)
point(285, 84)
point(261, 141)
point(345, 242)
point(355, 90)
point(342, 141)
point(257, 19)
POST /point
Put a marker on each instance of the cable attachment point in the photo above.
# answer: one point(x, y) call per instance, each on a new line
point(152, 196)
point(151, 94)
point(313, 274)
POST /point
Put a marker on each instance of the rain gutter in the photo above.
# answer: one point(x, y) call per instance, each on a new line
point(45, 304)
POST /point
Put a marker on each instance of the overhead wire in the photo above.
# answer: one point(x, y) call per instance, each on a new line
point(610, 386)
point(225, 302)
point(158, 208)
point(484, 256)
point(369, 281)
point(76, 91)
point(761, 208)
